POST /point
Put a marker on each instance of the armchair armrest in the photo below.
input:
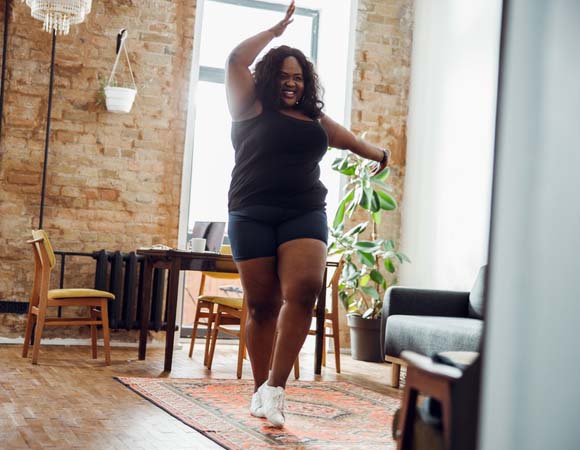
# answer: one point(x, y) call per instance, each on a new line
point(426, 364)
point(425, 302)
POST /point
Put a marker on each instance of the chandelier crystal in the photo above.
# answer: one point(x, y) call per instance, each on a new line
point(59, 15)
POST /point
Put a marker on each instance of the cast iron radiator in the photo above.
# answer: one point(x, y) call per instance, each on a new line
point(122, 275)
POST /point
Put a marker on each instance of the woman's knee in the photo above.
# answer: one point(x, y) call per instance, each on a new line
point(303, 291)
point(264, 310)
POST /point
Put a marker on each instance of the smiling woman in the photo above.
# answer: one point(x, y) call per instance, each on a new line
point(277, 217)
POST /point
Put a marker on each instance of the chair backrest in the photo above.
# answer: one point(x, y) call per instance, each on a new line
point(41, 234)
point(44, 261)
point(333, 284)
point(224, 250)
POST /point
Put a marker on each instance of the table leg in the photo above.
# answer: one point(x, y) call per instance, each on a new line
point(171, 303)
point(145, 306)
point(320, 307)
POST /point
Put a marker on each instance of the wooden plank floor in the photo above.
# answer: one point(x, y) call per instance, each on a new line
point(69, 400)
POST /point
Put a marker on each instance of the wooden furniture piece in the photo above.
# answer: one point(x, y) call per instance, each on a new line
point(224, 312)
point(177, 260)
point(456, 390)
point(331, 319)
point(206, 307)
point(42, 298)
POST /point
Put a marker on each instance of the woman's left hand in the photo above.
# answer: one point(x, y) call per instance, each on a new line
point(380, 166)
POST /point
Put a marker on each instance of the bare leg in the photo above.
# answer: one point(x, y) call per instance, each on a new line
point(301, 265)
point(263, 297)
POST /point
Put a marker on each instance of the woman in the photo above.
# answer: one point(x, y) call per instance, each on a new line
point(277, 222)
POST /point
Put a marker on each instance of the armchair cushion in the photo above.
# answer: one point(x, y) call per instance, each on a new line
point(429, 334)
point(425, 302)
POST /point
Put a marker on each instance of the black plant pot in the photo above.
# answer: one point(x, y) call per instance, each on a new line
point(365, 339)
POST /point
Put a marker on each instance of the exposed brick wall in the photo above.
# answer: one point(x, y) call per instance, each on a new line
point(381, 87)
point(113, 180)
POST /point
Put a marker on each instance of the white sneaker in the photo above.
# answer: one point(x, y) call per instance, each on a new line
point(273, 403)
point(256, 409)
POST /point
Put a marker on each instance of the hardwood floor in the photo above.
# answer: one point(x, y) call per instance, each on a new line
point(69, 400)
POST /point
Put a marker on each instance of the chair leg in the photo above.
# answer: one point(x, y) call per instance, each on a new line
point(395, 372)
point(242, 346)
point(324, 347)
point(94, 316)
point(106, 337)
point(216, 326)
point(40, 320)
point(336, 337)
point(297, 367)
point(28, 333)
point(406, 426)
point(208, 333)
point(195, 325)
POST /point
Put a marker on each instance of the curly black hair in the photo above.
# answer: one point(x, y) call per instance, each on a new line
point(266, 76)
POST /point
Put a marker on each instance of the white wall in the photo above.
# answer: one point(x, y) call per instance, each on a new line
point(531, 382)
point(445, 209)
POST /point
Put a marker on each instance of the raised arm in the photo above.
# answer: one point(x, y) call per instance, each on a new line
point(240, 87)
point(342, 138)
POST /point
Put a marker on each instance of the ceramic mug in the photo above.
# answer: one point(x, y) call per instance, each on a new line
point(197, 245)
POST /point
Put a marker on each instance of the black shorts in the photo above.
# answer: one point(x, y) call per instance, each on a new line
point(258, 231)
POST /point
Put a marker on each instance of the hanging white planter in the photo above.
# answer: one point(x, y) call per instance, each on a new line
point(120, 99)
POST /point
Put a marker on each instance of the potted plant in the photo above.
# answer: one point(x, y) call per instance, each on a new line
point(119, 98)
point(369, 264)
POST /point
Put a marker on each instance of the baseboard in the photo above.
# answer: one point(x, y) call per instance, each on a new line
point(86, 342)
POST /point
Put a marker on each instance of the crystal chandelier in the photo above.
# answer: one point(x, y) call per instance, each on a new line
point(59, 15)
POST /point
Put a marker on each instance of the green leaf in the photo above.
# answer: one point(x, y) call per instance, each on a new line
point(382, 186)
point(377, 276)
point(370, 291)
point(368, 314)
point(366, 258)
point(339, 217)
point(389, 244)
point(366, 246)
point(364, 200)
point(405, 257)
point(382, 176)
point(375, 202)
point(389, 265)
point(358, 229)
point(387, 202)
point(377, 217)
point(364, 280)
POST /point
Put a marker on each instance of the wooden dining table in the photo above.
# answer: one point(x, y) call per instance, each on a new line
point(174, 261)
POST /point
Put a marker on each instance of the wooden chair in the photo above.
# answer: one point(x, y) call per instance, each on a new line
point(42, 298)
point(331, 319)
point(224, 316)
point(207, 308)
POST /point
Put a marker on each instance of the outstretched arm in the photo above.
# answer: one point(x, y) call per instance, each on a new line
point(342, 138)
point(240, 88)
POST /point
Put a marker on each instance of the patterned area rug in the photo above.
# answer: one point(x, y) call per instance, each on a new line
point(319, 415)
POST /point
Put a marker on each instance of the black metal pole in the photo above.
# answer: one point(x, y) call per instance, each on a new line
point(46, 142)
point(4, 47)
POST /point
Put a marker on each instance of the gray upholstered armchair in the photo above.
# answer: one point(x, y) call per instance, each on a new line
point(429, 321)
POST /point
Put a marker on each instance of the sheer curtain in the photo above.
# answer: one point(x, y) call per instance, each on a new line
point(445, 208)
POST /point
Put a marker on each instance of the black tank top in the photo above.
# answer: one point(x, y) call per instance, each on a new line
point(276, 162)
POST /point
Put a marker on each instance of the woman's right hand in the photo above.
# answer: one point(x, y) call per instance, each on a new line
point(280, 27)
